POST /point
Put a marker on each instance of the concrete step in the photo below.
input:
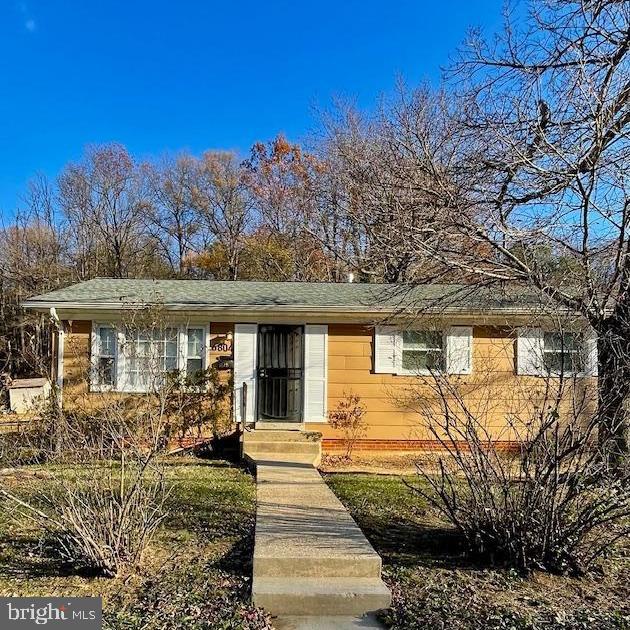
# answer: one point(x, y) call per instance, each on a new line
point(320, 596)
point(268, 435)
point(297, 459)
point(281, 447)
point(367, 565)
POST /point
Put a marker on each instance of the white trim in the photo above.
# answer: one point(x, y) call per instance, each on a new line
point(121, 358)
point(244, 371)
point(530, 353)
point(95, 353)
point(239, 310)
point(387, 350)
point(311, 331)
point(205, 350)
point(458, 361)
point(591, 357)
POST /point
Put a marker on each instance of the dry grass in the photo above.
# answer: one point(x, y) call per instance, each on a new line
point(435, 585)
point(196, 573)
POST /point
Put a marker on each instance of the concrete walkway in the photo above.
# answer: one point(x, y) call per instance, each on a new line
point(310, 557)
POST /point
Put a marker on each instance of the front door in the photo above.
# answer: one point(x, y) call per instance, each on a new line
point(280, 372)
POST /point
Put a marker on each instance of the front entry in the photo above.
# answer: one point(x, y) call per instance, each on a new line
point(280, 373)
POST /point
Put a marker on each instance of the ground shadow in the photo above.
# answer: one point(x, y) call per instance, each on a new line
point(24, 558)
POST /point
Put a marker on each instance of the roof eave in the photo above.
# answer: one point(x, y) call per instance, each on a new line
point(45, 306)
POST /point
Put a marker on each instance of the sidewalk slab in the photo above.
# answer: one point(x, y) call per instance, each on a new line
point(310, 557)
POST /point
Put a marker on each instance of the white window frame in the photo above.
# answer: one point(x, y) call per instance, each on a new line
point(121, 359)
point(95, 355)
point(148, 387)
point(581, 351)
point(530, 355)
point(205, 349)
point(423, 372)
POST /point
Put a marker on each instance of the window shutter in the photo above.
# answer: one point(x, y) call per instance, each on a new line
point(315, 372)
point(245, 336)
point(590, 351)
point(459, 340)
point(387, 350)
point(530, 344)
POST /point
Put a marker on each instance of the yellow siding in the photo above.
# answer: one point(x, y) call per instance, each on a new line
point(397, 406)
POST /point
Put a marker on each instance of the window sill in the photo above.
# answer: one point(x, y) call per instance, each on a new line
point(419, 373)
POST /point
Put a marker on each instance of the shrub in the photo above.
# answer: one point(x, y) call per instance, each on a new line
point(194, 403)
point(106, 522)
point(349, 418)
point(103, 521)
point(550, 503)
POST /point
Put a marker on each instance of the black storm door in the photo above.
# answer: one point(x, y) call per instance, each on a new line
point(280, 370)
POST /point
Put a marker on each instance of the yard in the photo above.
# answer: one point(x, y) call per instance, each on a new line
point(198, 568)
point(434, 586)
point(197, 572)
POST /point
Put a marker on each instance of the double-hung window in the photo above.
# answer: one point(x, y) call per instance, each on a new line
point(195, 352)
point(563, 353)
point(423, 351)
point(150, 355)
point(138, 360)
point(104, 364)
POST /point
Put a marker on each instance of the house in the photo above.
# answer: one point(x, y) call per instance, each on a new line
point(295, 350)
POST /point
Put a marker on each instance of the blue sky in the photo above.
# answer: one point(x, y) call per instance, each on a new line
point(166, 75)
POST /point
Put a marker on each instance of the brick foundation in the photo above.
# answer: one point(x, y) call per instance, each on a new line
point(332, 445)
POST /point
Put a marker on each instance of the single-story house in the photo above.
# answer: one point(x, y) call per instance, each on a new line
point(295, 349)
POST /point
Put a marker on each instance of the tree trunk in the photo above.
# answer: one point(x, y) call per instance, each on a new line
point(614, 388)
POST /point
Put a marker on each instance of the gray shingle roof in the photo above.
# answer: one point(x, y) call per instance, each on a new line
point(118, 293)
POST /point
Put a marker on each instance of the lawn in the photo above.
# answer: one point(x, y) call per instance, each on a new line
point(434, 585)
point(196, 573)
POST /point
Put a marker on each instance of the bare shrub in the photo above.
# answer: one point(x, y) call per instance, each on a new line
point(103, 519)
point(197, 402)
point(349, 418)
point(549, 501)
point(105, 523)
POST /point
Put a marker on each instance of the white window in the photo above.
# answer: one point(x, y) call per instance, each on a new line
point(422, 351)
point(138, 360)
point(195, 352)
point(104, 358)
point(553, 353)
point(563, 353)
point(149, 356)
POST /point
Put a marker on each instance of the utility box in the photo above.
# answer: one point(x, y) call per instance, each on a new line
point(27, 394)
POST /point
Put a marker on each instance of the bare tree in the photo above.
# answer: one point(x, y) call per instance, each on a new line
point(174, 221)
point(524, 171)
point(33, 258)
point(545, 122)
point(533, 490)
point(390, 168)
point(222, 198)
point(282, 177)
point(104, 203)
